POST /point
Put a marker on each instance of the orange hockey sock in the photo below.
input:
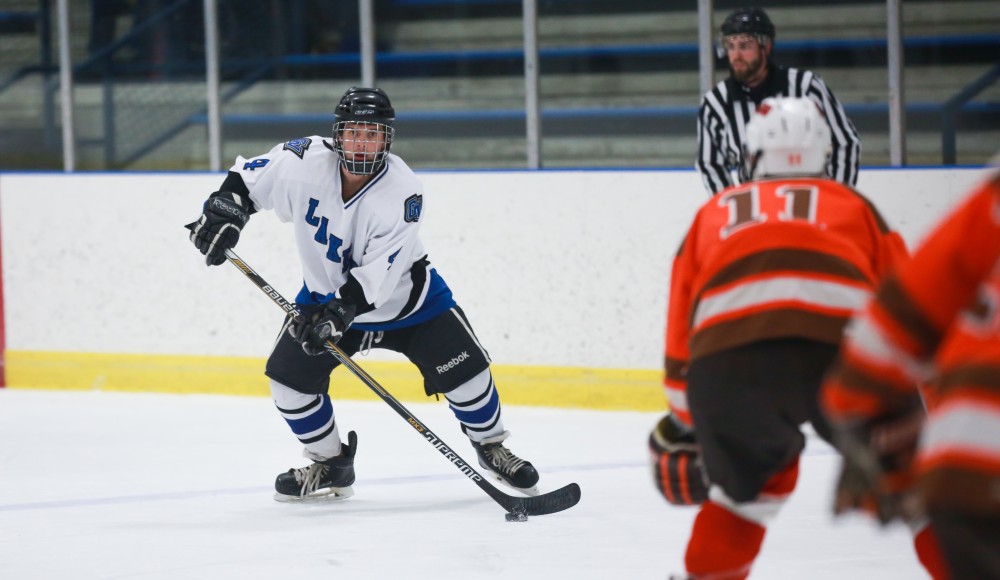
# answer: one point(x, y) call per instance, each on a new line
point(723, 545)
point(929, 553)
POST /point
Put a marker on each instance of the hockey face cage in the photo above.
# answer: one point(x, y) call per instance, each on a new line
point(362, 146)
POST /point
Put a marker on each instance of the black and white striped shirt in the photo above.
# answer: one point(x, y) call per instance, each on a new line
point(726, 109)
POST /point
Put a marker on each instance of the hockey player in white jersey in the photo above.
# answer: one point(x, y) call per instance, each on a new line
point(355, 209)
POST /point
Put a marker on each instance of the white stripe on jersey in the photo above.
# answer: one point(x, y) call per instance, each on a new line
point(970, 426)
point(777, 292)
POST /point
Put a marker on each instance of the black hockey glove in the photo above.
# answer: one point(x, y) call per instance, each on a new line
point(678, 470)
point(318, 324)
point(218, 228)
point(877, 476)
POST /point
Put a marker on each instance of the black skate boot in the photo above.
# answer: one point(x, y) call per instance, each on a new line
point(506, 467)
point(323, 480)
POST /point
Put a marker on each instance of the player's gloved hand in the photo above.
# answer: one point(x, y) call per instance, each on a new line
point(678, 470)
point(218, 228)
point(876, 475)
point(320, 323)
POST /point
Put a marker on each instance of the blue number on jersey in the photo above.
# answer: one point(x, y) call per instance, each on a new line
point(255, 164)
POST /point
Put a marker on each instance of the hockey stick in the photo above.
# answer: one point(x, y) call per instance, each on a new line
point(546, 503)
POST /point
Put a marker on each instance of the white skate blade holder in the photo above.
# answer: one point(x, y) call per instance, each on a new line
point(320, 496)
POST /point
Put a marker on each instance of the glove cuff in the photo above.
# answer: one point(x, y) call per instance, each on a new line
point(341, 310)
point(671, 435)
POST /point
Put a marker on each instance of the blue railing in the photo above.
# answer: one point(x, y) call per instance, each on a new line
point(923, 112)
point(958, 104)
point(790, 49)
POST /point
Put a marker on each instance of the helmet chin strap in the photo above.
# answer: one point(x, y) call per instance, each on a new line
point(348, 168)
point(352, 167)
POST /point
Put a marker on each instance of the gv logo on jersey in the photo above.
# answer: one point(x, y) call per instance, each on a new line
point(412, 207)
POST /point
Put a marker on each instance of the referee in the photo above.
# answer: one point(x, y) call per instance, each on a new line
point(748, 38)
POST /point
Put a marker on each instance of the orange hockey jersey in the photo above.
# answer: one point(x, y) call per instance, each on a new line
point(772, 259)
point(937, 319)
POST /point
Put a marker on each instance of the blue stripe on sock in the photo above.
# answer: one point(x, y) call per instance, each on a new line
point(313, 421)
point(480, 415)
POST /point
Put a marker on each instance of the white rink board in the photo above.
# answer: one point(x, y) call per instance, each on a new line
point(555, 268)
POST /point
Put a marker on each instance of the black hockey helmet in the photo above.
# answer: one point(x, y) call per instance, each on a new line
point(748, 21)
point(364, 105)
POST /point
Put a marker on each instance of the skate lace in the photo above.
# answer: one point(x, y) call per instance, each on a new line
point(503, 460)
point(309, 477)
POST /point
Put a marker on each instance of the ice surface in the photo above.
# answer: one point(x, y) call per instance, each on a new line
point(97, 485)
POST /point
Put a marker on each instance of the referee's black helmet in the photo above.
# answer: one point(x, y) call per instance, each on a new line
point(748, 21)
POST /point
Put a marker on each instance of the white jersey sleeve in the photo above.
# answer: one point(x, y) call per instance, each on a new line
point(263, 174)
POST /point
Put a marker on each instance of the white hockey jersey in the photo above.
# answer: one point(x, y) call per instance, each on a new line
point(365, 250)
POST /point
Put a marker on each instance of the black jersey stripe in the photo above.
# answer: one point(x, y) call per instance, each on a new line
point(418, 277)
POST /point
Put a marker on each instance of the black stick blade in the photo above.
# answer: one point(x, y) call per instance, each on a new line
point(547, 503)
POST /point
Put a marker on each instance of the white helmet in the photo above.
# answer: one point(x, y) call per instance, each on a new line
point(787, 137)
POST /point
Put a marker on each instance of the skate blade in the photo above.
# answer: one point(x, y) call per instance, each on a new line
point(320, 496)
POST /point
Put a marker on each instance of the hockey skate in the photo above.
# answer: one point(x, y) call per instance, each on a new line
point(326, 480)
point(506, 467)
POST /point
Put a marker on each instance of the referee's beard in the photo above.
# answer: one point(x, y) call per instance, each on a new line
point(750, 73)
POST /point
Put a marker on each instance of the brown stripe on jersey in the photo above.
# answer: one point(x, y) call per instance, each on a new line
point(983, 376)
point(674, 368)
point(894, 300)
point(855, 379)
point(779, 323)
point(784, 260)
point(960, 489)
